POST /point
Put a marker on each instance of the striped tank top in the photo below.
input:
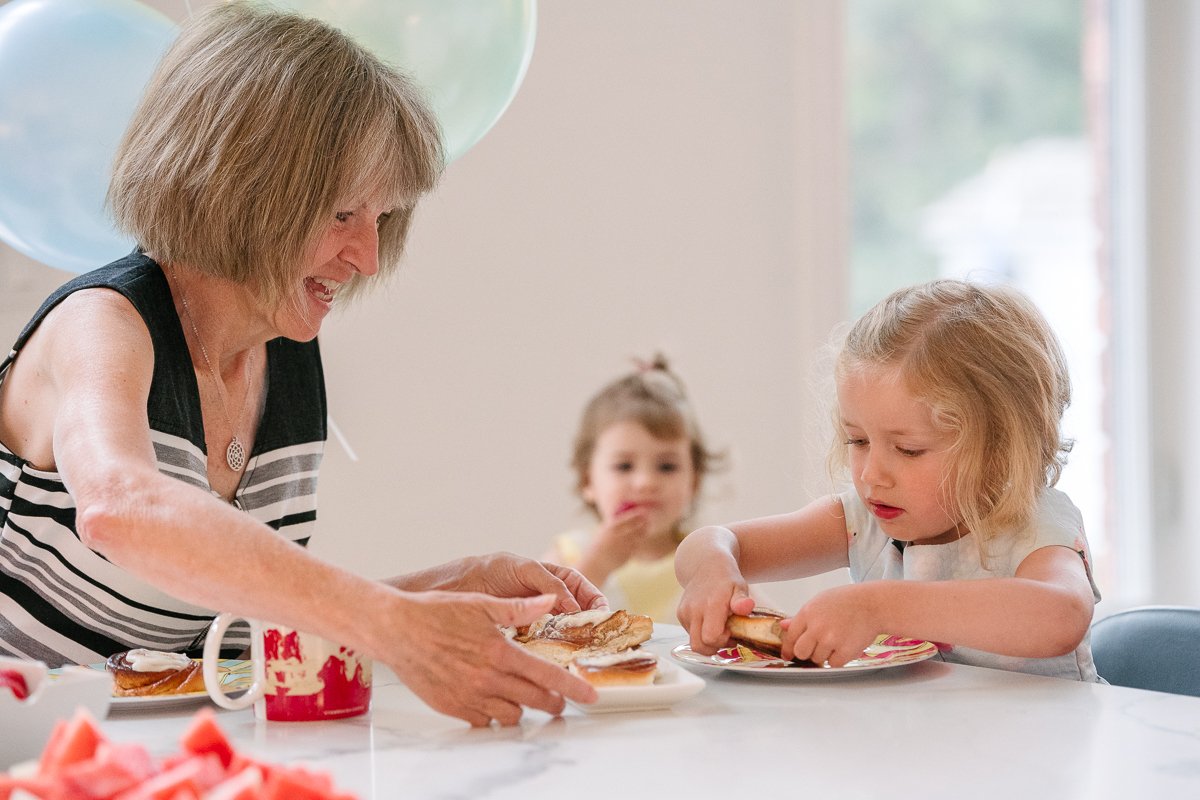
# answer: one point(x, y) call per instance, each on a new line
point(61, 602)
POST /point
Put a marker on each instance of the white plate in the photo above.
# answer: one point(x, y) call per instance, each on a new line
point(234, 675)
point(884, 653)
point(670, 686)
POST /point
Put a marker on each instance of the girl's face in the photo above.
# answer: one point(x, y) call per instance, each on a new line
point(630, 468)
point(349, 247)
point(898, 457)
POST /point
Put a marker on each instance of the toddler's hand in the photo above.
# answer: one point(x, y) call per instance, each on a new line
point(835, 626)
point(619, 537)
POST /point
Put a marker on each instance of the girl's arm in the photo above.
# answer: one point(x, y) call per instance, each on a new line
point(1041, 612)
point(445, 646)
point(715, 563)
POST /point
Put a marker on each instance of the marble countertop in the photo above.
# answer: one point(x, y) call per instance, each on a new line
point(925, 730)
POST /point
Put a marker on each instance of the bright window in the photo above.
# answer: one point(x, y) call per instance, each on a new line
point(978, 145)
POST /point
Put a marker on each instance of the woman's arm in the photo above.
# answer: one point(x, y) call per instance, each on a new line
point(95, 354)
point(1041, 612)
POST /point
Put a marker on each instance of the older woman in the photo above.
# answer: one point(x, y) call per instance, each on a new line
point(162, 418)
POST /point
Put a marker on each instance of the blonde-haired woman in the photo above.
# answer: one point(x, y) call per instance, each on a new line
point(162, 418)
point(949, 399)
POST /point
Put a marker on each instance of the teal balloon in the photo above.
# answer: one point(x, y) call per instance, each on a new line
point(71, 72)
point(469, 56)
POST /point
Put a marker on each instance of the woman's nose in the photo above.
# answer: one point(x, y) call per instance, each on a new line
point(362, 250)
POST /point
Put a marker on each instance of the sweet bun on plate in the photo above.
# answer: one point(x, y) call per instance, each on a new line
point(140, 672)
point(563, 637)
point(627, 668)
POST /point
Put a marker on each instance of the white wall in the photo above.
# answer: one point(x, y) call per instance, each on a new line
point(670, 176)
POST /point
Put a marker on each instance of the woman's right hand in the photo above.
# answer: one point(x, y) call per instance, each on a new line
point(449, 650)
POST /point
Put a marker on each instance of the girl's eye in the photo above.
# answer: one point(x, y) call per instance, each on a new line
point(668, 467)
point(623, 466)
point(856, 442)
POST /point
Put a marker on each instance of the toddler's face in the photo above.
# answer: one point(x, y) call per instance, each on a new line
point(898, 457)
point(631, 470)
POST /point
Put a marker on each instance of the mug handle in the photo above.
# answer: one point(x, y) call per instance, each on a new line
point(212, 654)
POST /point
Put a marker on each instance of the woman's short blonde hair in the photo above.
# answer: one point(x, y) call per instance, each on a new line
point(255, 128)
point(988, 365)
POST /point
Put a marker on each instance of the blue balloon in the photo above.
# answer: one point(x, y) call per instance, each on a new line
point(469, 56)
point(71, 73)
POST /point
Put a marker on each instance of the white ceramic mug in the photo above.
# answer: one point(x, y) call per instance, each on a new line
point(297, 676)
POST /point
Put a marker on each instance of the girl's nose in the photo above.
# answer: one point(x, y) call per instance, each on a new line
point(874, 471)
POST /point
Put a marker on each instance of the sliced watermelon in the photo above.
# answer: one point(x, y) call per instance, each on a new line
point(70, 742)
point(204, 735)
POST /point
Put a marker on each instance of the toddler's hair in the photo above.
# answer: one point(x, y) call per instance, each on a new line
point(652, 396)
point(992, 371)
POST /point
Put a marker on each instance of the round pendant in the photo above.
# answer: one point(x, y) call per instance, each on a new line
point(235, 455)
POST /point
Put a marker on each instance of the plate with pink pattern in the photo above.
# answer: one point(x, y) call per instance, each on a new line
point(885, 652)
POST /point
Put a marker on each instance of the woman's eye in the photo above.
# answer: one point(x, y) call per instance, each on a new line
point(856, 442)
point(343, 216)
point(910, 453)
point(382, 218)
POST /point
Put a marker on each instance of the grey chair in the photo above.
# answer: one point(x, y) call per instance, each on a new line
point(1152, 647)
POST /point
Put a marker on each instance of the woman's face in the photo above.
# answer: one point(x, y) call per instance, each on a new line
point(349, 247)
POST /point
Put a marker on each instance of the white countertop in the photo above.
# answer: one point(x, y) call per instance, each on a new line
point(923, 730)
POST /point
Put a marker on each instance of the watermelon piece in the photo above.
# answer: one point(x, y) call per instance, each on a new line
point(185, 777)
point(298, 784)
point(243, 785)
point(36, 786)
point(70, 742)
point(115, 768)
point(204, 735)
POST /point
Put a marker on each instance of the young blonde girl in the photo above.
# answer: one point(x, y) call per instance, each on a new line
point(639, 459)
point(949, 399)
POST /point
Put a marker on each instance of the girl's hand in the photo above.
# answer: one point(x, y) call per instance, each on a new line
point(835, 626)
point(708, 600)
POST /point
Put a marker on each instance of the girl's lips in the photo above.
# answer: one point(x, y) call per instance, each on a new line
point(621, 509)
point(885, 511)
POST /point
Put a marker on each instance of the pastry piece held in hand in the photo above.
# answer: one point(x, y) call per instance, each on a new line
point(139, 673)
point(760, 631)
point(627, 668)
point(562, 637)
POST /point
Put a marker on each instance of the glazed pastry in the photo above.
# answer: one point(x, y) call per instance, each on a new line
point(627, 668)
point(138, 673)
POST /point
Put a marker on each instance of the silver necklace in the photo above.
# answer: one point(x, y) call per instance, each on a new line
point(235, 453)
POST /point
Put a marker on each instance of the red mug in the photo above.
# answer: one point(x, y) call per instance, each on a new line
point(297, 676)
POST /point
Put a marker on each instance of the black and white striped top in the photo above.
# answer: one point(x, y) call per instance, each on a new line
point(61, 602)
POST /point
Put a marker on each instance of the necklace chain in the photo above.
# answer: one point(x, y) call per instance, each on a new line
point(235, 452)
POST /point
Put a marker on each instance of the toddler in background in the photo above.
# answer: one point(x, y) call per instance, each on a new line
point(640, 460)
point(949, 401)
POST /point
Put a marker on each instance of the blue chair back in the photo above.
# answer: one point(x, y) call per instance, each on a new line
point(1152, 647)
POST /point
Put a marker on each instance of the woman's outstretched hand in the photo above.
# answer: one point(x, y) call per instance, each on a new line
point(508, 575)
point(449, 650)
